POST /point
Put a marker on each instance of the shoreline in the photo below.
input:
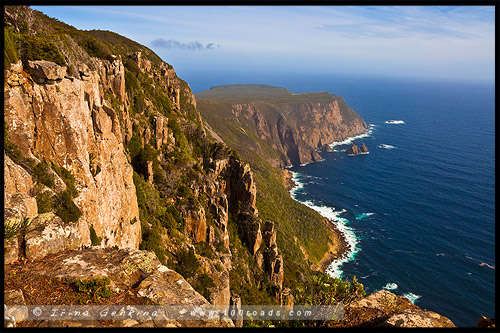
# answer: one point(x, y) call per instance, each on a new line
point(338, 247)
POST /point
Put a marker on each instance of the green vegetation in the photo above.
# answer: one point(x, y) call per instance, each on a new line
point(68, 179)
point(187, 263)
point(96, 241)
point(42, 174)
point(93, 290)
point(41, 47)
point(66, 208)
point(11, 50)
point(44, 202)
point(326, 290)
point(202, 285)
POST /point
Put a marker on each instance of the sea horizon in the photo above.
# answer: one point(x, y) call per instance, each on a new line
point(416, 106)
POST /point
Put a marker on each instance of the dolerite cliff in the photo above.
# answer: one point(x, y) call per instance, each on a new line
point(105, 149)
point(296, 126)
point(116, 195)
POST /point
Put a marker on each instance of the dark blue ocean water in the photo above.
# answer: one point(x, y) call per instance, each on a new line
point(421, 215)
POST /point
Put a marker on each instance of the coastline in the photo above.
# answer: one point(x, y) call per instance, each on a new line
point(338, 247)
point(342, 246)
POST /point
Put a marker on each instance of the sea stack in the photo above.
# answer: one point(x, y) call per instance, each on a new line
point(352, 150)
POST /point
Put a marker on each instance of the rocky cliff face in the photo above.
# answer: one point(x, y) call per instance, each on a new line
point(297, 129)
point(55, 117)
point(110, 151)
point(110, 178)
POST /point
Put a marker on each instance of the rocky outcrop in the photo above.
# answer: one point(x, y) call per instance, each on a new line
point(418, 318)
point(128, 271)
point(47, 233)
point(385, 309)
point(195, 224)
point(354, 150)
point(69, 123)
point(296, 130)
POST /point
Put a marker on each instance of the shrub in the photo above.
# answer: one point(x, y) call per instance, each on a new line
point(68, 179)
point(66, 208)
point(204, 249)
point(11, 53)
point(134, 146)
point(95, 48)
point(42, 174)
point(41, 47)
point(93, 289)
point(202, 285)
point(327, 290)
point(187, 263)
point(44, 202)
point(96, 241)
point(151, 241)
point(177, 216)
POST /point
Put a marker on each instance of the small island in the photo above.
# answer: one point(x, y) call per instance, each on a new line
point(354, 150)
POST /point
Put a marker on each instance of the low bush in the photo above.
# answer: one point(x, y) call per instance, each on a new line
point(187, 264)
point(66, 208)
point(202, 285)
point(68, 179)
point(44, 202)
point(93, 289)
point(204, 249)
point(95, 240)
point(42, 174)
point(41, 47)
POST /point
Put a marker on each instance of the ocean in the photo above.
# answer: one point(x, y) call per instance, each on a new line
point(419, 210)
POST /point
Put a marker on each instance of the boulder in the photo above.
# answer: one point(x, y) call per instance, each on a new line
point(124, 267)
point(10, 250)
point(47, 233)
point(418, 318)
point(16, 312)
point(486, 322)
point(363, 149)
point(42, 70)
point(352, 150)
point(372, 310)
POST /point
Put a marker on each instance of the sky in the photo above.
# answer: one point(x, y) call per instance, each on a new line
point(449, 42)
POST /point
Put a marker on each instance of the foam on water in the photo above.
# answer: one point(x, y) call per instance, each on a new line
point(363, 215)
point(340, 223)
point(412, 297)
point(390, 286)
point(386, 146)
point(351, 139)
point(394, 122)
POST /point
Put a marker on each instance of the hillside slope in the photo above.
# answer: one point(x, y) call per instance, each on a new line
point(295, 126)
point(115, 194)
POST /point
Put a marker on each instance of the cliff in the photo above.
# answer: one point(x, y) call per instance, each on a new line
point(116, 195)
point(295, 126)
point(104, 148)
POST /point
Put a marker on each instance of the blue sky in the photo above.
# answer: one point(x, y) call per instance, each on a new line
point(452, 42)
